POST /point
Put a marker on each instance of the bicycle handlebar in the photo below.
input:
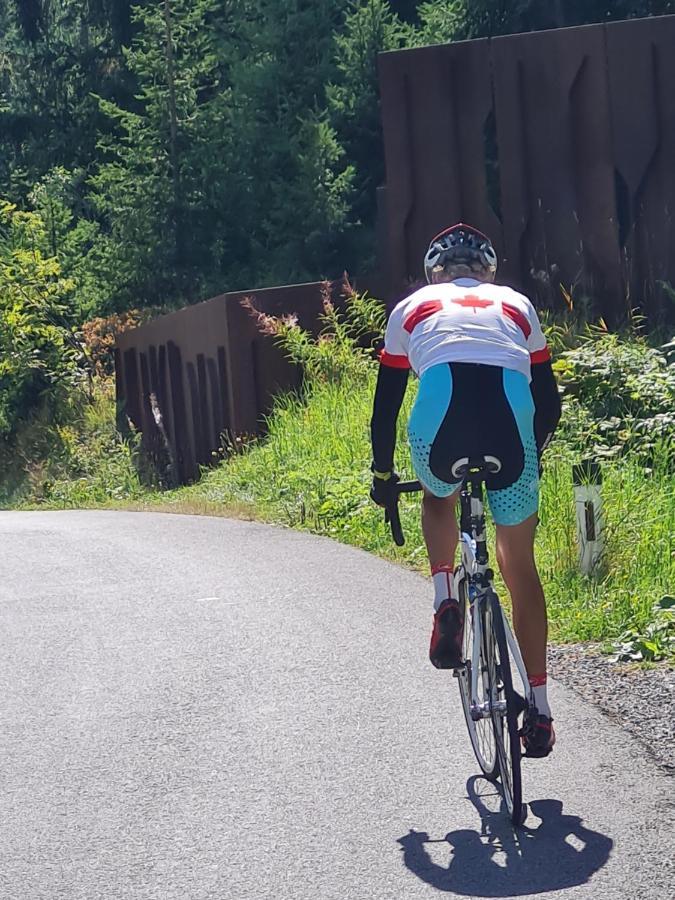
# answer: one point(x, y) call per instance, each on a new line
point(391, 515)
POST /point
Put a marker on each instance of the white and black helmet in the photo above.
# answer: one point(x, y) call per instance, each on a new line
point(460, 246)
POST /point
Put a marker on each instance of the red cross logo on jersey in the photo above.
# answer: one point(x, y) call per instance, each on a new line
point(474, 302)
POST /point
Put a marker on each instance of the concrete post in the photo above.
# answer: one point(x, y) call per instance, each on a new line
point(587, 479)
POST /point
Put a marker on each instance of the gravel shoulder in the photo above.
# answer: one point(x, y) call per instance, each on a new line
point(640, 700)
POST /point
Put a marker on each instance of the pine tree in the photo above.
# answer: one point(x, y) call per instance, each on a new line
point(370, 27)
point(442, 21)
point(154, 189)
point(295, 184)
point(53, 57)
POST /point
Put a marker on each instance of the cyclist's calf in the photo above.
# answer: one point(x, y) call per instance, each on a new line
point(515, 556)
point(439, 526)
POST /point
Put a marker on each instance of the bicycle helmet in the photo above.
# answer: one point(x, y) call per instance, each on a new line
point(460, 249)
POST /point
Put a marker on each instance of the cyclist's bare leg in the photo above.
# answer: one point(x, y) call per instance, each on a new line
point(439, 527)
point(515, 555)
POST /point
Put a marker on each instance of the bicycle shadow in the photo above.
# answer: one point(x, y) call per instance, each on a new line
point(499, 861)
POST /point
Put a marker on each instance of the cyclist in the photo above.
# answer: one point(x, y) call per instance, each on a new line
point(486, 386)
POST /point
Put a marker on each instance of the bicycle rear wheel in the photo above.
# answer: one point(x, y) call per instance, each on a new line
point(505, 710)
point(481, 731)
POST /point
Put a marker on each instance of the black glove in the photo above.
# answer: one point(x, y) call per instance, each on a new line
point(383, 489)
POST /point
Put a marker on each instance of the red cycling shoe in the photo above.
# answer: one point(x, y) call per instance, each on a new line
point(537, 735)
point(445, 649)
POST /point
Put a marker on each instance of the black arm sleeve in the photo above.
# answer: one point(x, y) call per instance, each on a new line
point(389, 393)
point(546, 403)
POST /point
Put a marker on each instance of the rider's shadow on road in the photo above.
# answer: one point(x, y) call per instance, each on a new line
point(500, 862)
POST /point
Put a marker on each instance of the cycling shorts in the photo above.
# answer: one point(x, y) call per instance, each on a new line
point(468, 409)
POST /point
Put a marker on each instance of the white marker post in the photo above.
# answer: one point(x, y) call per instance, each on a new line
point(587, 479)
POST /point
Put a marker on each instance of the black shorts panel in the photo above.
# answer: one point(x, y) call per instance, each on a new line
point(479, 421)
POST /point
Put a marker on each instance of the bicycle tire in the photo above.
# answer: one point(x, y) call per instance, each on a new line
point(481, 732)
point(505, 724)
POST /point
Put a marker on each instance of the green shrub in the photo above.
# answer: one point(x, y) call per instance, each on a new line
point(618, 397)
point(655, 642)
point(83, 461)
point(41, 358)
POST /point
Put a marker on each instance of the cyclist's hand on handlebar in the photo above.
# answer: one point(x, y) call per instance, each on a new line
point(383, 489)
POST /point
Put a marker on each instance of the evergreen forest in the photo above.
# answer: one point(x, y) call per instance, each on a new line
point(174, 149)
point(154, 154)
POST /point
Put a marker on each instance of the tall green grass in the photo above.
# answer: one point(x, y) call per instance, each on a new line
point(78, 464)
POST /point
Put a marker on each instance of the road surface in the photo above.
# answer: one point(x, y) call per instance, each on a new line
point(200, 708)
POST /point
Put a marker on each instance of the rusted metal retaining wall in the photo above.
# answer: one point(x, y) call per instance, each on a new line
point(208, 371)
point(559, 144)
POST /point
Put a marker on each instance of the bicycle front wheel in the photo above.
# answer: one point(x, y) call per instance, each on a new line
point(481, 731)
point(505, 710)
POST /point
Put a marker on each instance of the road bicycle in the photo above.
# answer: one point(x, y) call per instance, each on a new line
point(492, 706)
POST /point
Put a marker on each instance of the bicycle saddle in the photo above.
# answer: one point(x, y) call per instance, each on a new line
point(475, 467)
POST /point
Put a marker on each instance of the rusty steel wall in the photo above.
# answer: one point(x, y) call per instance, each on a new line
point(560, 145)
point(209, 371)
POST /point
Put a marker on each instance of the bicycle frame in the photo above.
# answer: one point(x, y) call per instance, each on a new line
point(474, 567)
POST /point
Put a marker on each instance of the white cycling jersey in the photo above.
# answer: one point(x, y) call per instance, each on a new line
point(464, 321)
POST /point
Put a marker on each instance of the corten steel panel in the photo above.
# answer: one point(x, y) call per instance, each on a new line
point(151, 437)
point(548, 248)
point(396, 126)
point(594, 179)
point(205, 402)
point(641, 62)
point(435, 161)
point(186, 468)
point(251, 400)
point(211, 370)
point(555, 163)
point(201, 449)
point(163, 388)
point(217, 401)
point(183, 334)
point(468, 67)
point(120, 417)
point(585, 127)
point(442, 97)
point(128, 385)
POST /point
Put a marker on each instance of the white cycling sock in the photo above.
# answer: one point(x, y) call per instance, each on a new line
point(442, 578)
point(538, 685)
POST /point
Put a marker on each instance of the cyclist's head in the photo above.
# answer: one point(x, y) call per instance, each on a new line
point(460, 251)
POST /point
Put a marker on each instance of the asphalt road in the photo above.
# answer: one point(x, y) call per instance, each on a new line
point(201, 708)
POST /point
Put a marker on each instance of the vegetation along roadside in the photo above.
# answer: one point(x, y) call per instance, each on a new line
point(311, 471)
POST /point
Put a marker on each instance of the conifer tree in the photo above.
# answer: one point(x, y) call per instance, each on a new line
point(153, 190)
point(370, 28)
point(53, 57)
